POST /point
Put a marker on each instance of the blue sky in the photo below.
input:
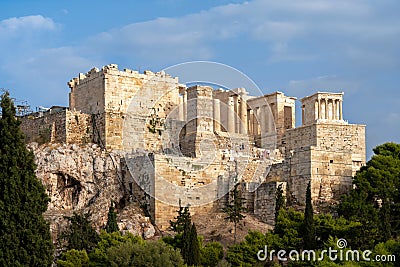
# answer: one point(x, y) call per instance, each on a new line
point(298, 47)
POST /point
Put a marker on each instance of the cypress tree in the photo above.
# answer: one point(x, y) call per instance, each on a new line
point(24, 234)
point(309, 226)
point(194, 255)
point(279, 202)
point(112, 225)
point(191, 247)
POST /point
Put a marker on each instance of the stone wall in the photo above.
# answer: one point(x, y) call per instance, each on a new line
point(265, 200)
point(45, 127)
point(79, 127)
point(61, 126)
point(328, 155)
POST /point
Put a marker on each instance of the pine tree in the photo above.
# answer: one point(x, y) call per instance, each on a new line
point(279, 202)
point(112, 225)
point(24, 234)
point(235, 209)
point(181, 220)
point(309, 226)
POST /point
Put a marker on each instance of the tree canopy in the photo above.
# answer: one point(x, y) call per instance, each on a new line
point(24, 234)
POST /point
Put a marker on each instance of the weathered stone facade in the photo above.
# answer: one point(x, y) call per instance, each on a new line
point(191, 145)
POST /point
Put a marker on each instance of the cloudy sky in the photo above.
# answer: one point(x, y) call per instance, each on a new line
point(294, 46)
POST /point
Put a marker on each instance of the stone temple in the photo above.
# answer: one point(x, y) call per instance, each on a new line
point(191, 145)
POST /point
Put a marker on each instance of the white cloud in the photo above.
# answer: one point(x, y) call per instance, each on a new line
point(340, 32)
point(332, 27)
point(31, 23)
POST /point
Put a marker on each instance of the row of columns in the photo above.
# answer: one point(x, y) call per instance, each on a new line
point(260, 120)
point(329, 109)
point(237, 115)
point(238, 118)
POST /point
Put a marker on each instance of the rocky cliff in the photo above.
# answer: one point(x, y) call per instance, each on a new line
point(86, 179)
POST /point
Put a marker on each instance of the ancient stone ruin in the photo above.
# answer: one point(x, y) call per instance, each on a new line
point(163, 144)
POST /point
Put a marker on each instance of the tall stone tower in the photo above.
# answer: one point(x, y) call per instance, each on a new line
point(326, 150)
point(200, 124)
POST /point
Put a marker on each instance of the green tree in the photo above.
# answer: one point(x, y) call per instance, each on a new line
point(385, 226)
point(24, 234)
point(98, 256)
point(376, 194)
point(149, 253)
point(211, 254)
point(81, 234)
point(181, 220)
point(245, 253)
point(112, 225)
point(279, 201)
point(289, 228)
point(74, 258)
point(235, 209)
point(191, 248)
point(308, 226)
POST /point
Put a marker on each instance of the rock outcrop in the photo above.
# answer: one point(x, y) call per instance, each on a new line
point(86, 179)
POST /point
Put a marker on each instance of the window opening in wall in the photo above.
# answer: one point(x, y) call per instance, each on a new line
point(331, 161)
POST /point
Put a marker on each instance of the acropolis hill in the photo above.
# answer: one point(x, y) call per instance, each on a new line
point(156, 141)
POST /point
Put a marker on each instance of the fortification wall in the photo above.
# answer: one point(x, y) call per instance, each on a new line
point(44, 128)
point(87, 92)
point(265, 200)
point(78, 127)
point(63, 126)
point(347, 137)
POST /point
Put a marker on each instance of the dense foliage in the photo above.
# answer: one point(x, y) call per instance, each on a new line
point(115, 249)
point(24, 235)
point(375, 202)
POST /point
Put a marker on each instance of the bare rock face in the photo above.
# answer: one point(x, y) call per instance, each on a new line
point(86, 179)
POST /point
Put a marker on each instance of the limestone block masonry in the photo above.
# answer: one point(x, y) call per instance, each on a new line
point(191, 145)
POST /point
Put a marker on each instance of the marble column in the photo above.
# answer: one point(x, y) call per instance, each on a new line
point(217, 115)
point(334, 109)
point(236, 110)
point(251, 122)
point(256, 120)
point(263, 120)
point(243, 116)
point(181, 115)
point(326, 109)
point(340, 110)
point(231, 115)
point(319, 108)
point(184, 106)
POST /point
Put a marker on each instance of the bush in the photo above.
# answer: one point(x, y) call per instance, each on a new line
point(74, 258)
point(211, 254)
